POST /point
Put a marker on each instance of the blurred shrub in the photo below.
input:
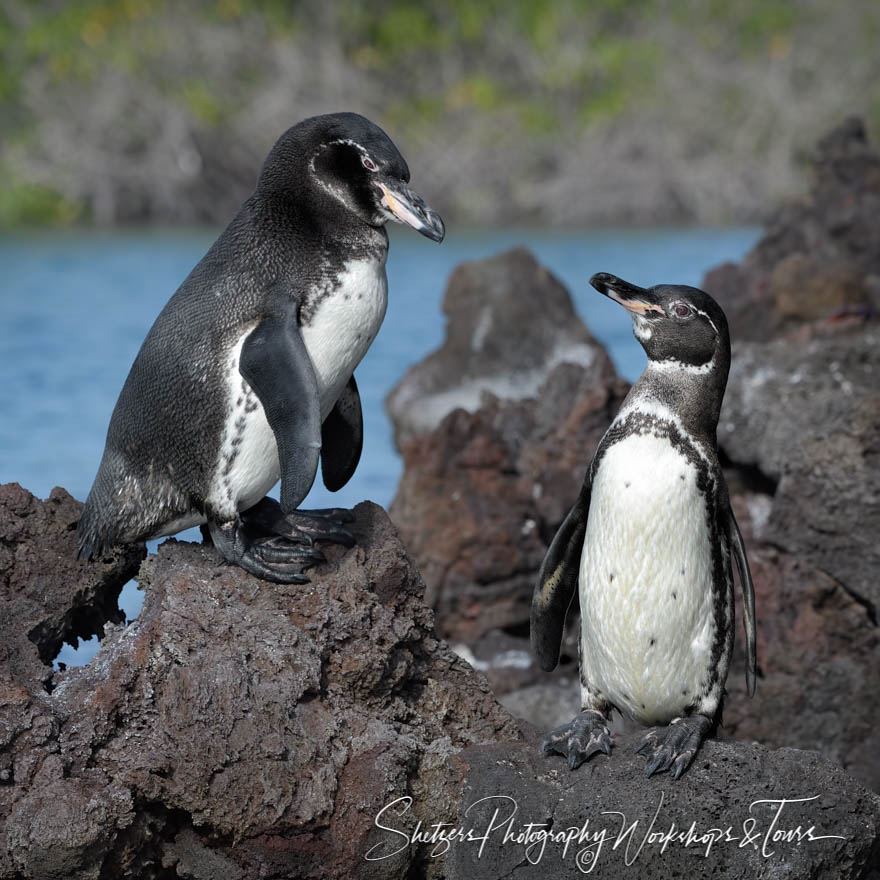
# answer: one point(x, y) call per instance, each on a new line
point(562, 111)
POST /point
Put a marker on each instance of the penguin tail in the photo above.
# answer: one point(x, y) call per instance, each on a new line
point(90, 542)
point(89, 550)
point(108, 518)
point(98, 527)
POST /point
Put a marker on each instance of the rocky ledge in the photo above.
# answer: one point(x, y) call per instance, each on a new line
point(239, 729)
point(236, 728)
point(801, 429)
point(743, 812)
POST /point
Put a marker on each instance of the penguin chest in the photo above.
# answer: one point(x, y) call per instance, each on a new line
point(646, 581)
point(340, 322)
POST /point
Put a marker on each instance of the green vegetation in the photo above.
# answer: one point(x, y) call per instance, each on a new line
point(32, 204)
point(100, 99)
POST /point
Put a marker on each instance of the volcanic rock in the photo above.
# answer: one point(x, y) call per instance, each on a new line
point(236, 728)
point(485, 489)
point(509, 322)
point(48, 597)
point(801, 429)
point(801, 420)
point(820, 255)
point(242, 729)
point(740, 811)
point(806, 416)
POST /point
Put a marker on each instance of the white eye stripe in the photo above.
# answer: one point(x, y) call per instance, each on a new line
point(366, 161)
point(350, 143)
point(697, 311)
point(711, 322)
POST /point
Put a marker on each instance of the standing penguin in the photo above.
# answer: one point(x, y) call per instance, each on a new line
point(247, 374)
point(650, 540)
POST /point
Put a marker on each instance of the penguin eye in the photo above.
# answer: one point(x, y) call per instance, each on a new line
point(368, 163)
point(682, 311)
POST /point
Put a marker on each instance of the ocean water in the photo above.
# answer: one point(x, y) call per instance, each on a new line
point(77, 305)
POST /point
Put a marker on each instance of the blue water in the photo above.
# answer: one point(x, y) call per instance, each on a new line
point(77, 305)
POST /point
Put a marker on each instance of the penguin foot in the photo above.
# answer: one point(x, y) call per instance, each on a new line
point(583, 736)
point(673, 747)
point(283, 550)
point(300, 526)
point(275, 559)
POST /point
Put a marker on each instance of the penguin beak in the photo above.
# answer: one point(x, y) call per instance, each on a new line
point(636, 300)
point(409, 208)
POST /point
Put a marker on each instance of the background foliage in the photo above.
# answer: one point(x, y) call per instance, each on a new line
point(557, 112)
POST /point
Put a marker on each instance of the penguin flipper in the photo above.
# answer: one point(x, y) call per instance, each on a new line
point(738, 548)
point(342, 438)
point(557, 582)
point(275, 363)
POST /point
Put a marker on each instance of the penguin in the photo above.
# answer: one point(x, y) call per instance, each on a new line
point(247, 375)
point(649, 544)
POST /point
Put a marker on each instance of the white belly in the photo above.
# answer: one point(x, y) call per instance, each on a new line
point(646, 581)
point(344, 326)
point(247, 463)
point(340, 330)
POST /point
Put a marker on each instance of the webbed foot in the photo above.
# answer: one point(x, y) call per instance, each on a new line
point(300, 525)
point(280, 560)
point(579, 739)
point(673, 747)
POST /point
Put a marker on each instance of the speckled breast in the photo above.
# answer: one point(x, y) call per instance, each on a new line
point(646, 580)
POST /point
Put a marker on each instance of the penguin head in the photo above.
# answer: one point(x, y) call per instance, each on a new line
point(681, 328)
point(354, 162)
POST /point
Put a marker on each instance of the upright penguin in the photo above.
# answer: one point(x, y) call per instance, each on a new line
point(247, 374)
point(649, 541)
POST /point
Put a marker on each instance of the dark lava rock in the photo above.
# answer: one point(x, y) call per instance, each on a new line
point(506, 660)
point(509, 322)
point(801, 429)
point(806, 415)
point(818, 652)
point(724, 818)
point(802, 420)
point(483, 492)
point(820, 255)
point(239, 729)
point(47, 597)
point(236, 728)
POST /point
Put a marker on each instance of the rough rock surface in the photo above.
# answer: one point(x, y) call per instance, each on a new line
point(818, 672)
point(633, 827)
point(484, 491)
point(801, 428)
point(820, 255)
point(806, 415)
point(802, 419)
point(236, 728)
point(239, 729)
point(47, 597)
point(509, 322)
